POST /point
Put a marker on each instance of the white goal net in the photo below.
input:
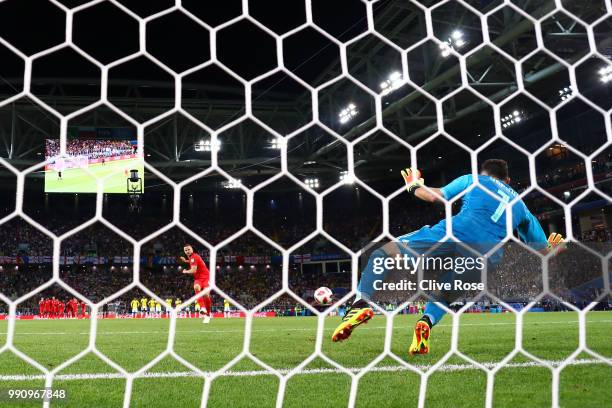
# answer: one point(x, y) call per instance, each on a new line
point(456, 46)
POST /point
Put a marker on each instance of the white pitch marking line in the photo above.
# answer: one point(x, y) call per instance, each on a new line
point(386, 369)
point(17, 332)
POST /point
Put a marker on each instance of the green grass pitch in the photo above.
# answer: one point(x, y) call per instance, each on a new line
point(79, 181)
point(285, 342)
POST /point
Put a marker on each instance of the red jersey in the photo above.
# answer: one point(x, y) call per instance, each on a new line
point(201, 272)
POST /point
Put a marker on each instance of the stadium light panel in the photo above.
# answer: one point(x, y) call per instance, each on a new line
point(605, 74)
point(200, 146)
point(445, 50)
point(206, 146)
point(232, 184)
point(394, 82)
point(348, 113)
point(566, 93)
point(457, 40)
point(346, 177)
point(312, 182)
point(277, 143)
point(512, 119)
point(454, 42)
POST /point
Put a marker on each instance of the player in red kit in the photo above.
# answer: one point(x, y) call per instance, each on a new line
point(72, 308)
point(47, 307)
point(200, 273)
point(41, 307)
point(53, 308)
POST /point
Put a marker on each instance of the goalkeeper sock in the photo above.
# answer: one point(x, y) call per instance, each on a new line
point(365, 289)
point(427, 320)
point(359, 304)
point(434, 313)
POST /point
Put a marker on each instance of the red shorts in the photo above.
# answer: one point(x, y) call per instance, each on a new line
point(202, 282)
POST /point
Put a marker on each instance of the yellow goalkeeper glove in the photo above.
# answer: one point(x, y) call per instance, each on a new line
point(412, 179)
point(556, 243)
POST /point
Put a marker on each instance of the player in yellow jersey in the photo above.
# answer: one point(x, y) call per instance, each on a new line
point(177, 303)
point(168, 305)
point(227, 312)
point(151, 307)
point(143, 305)
point(134, 305)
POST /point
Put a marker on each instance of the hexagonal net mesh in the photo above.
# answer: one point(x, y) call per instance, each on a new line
point(450, 45)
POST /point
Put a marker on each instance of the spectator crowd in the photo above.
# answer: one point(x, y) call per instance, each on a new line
point(92, 148)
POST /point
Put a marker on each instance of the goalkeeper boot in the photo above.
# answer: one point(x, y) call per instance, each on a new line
point(420, 338)
point(357, 314)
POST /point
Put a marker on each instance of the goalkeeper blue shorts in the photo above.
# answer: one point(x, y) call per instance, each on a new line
point(428, 238)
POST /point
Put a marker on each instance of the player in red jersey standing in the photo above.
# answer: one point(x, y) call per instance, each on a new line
point(47, 308)
point(200, 273)
point(69, 308)
point(41, 307)
point(54, 308)
point(72, 308)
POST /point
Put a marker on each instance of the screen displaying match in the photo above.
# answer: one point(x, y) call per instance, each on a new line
point(108, 160)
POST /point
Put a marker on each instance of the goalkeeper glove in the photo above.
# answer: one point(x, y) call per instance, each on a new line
point(412, 179)
point(555, 243)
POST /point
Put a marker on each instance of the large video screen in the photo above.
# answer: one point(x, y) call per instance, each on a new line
point(110, 160)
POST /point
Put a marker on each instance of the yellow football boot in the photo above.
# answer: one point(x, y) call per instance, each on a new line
point(353, 318)
point(420, 338)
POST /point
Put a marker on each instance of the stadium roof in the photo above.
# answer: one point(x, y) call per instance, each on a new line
point(141, 89)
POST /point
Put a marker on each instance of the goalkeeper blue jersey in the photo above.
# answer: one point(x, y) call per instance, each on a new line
point(482, 218)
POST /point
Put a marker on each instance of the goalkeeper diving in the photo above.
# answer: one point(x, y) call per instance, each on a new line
point(481, 221)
